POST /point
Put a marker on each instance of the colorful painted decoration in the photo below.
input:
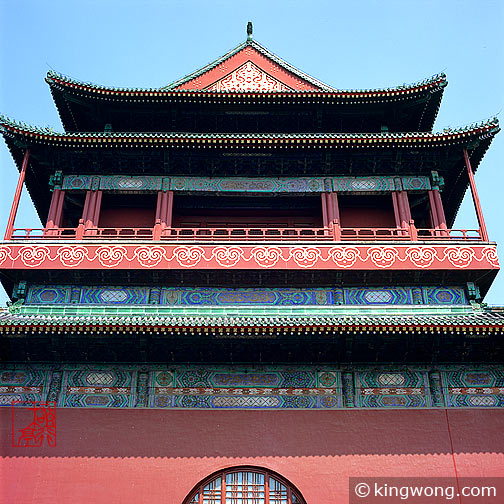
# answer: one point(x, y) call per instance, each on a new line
point(209, 296)
point(246, 184)
point(260, 387)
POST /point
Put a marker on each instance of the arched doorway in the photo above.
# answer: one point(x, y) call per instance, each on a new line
point(244, 485)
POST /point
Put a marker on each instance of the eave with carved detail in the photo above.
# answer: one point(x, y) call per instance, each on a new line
point(405, 108)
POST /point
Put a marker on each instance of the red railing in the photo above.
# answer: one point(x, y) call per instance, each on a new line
point(43, 233)
point(119, 233)
point(334, 233)
point(374, 234)
point(454, 234)
point(247, 234)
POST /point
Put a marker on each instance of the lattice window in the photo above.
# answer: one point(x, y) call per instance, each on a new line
point(244, 486)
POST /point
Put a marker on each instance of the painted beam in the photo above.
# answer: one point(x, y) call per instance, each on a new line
point(246, 184)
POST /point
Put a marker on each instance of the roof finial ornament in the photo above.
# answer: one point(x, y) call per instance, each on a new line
point(249, 30)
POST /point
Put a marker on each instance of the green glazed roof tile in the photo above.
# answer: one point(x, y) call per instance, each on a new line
point(266, 317)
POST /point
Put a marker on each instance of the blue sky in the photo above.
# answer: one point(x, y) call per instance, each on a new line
point(350, 45)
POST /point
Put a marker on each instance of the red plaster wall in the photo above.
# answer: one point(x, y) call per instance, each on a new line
point(245, 221)
point(353, 217)
point(156, 457)
point(127, 217)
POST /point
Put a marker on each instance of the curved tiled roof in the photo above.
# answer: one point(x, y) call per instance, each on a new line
point(482, 130)
point(55, 79)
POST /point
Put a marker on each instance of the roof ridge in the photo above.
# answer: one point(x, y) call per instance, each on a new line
point(207, 67)
point(289, 67)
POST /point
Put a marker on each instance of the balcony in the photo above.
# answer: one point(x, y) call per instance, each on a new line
point(464, 253)
point(269, 234)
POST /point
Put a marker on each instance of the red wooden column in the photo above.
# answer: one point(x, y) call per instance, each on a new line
point(89, 203)
point(59, 209)
point(433, 208)
point(91, 212)
point(436, 196)
point(169, 209)
point(330, 208)
point(55, 209)
point(436, 206)
point(402, 212)
point(164, 213)
point(17, 196)
point(395, 204)
point(325, 219)
point(82, 221)
point(97, 209)
point(408, 221)
point(55, 213)
point(156, 232)
point(333, 201)
point(402, 197)
point(476, 201)
point(330, 213)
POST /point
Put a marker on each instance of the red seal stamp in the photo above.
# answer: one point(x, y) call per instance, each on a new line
point(33, 424)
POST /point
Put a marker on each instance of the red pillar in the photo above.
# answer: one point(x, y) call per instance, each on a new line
point(17, 196)
point(158, 205)
point(407, 220)
point(56, 209)
point(89, 204)
point(335, 206)
point(324, 209)
point(395, 204)
point(476, 201)
point(55, 213)
point(52, 209)
point(59, 209)
point(164, 213)
point(404, 209)
point(91, 212)
point(336, 216)
point(169, 211)
point(85, 210)
point(440, 212)
point(433, 208)
point(406, 206)
point(96, 216)
point(164, 207)
point(156, 232)
point(330, 208)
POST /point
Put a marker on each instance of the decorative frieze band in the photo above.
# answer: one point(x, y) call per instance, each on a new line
point(207, 296)
point(243, 184)
point(280, 387)
point(93, 255)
